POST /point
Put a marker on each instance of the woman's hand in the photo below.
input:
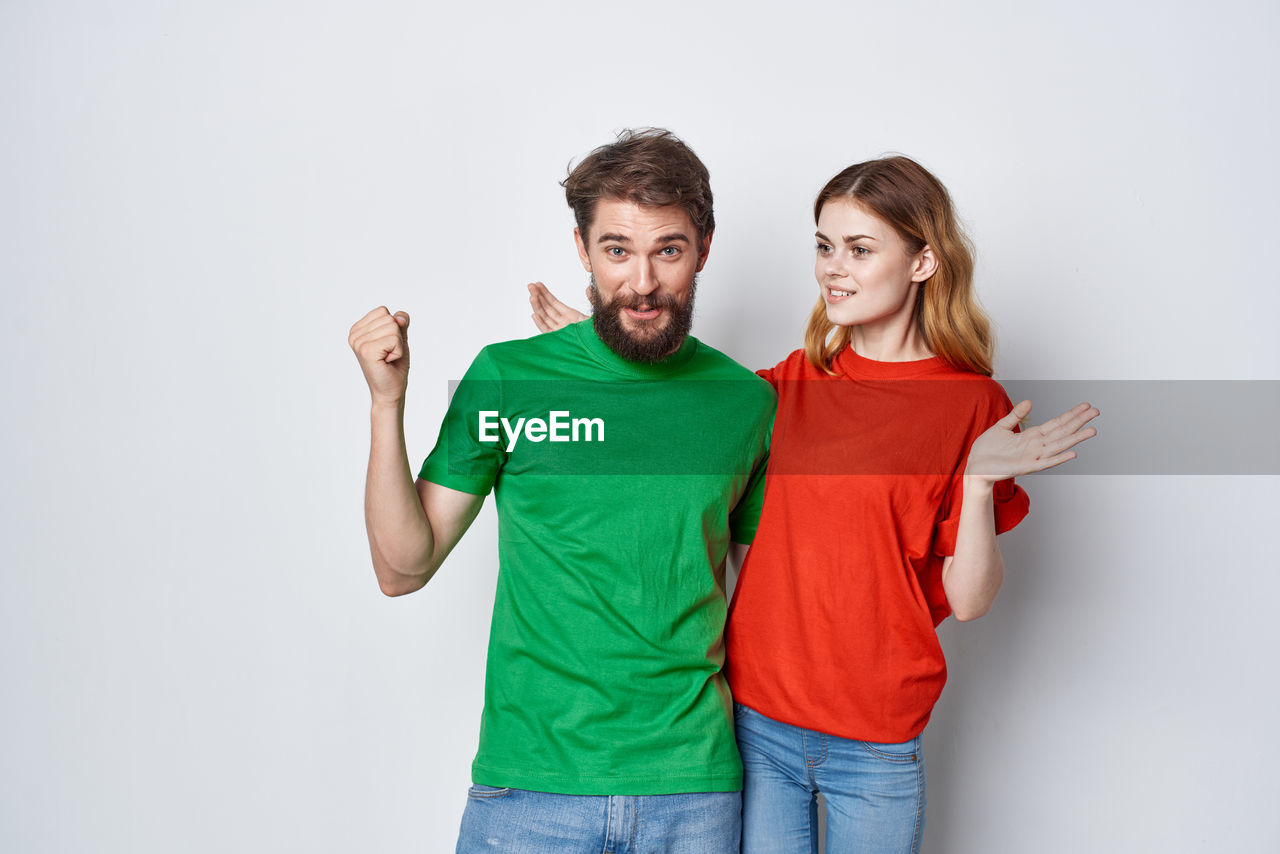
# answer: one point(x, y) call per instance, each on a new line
point(549, 314)
point(1001, 453)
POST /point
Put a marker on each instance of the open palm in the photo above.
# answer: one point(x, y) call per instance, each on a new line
point(1001, 452)
point(549, 314)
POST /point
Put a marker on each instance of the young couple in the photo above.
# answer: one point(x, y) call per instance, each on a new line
point(889, 477)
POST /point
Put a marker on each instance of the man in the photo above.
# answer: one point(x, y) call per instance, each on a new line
point(624, 455)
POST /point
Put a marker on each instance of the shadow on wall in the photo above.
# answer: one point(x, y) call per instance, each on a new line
point(974, 745)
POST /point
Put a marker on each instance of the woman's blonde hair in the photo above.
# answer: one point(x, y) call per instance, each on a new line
point(907, 196)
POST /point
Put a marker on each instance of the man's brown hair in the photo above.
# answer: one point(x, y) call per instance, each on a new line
point(646, 166)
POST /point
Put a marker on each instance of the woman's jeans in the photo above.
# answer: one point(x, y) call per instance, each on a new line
point(874, 792)
point(515, 821)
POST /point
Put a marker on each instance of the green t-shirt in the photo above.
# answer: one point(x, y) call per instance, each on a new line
point(614, 518)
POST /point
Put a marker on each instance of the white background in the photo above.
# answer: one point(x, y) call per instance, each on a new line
point(198, 199)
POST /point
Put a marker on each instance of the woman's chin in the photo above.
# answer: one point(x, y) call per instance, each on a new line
point(840, 316)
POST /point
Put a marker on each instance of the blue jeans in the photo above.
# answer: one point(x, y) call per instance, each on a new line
point(874, 792)
point(516, 821)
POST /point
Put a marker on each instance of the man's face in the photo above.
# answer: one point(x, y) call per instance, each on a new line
point(643, 262)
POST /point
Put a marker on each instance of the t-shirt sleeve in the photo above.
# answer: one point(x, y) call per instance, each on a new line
point(769, 376)
point(1011, 502)
point(462, 458)
point(745, 516)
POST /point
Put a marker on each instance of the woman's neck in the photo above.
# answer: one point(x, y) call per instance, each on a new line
point(889, 342)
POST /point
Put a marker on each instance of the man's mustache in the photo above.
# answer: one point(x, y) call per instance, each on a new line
point(645, 302)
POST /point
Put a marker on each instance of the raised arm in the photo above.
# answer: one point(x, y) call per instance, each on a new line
point(973, 575)
point(411, 528)
point(549, 314)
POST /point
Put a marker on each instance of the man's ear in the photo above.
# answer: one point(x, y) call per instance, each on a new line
point(582, 251)
point(703, 251)
point(926, 264)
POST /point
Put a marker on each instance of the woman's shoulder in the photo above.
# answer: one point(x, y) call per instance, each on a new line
point(979, 384)
point(795, 366)
point(981, 393)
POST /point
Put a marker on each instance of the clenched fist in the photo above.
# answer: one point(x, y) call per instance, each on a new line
point(380, 340)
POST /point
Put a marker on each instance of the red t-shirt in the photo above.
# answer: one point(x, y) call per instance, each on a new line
point(831, 626)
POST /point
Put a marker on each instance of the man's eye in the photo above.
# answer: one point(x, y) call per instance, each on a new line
point(670, 250)
point(616, 251)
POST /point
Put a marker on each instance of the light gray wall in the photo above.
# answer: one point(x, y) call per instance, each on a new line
point(198, 199)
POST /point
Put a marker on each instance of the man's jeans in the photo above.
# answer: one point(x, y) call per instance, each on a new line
point(874, 792)
point(515, 821)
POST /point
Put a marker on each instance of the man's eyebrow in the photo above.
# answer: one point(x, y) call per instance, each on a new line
point(849, 238)
point(622, 238)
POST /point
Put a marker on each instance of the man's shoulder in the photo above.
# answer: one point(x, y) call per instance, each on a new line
point(734, 384)
point(535, 354)
point(710, 360)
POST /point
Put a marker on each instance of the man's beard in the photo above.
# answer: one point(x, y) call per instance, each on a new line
point(647, 343)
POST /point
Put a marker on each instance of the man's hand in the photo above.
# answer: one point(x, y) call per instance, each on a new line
point(1001, 453)
point(549, 314)
point(380, 340)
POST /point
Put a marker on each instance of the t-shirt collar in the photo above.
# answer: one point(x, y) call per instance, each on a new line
point(850, 364)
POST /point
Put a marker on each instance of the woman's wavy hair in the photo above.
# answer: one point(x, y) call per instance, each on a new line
point(908, 197)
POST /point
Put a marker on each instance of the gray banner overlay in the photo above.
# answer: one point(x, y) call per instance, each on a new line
point(1180, 427)
point(1147, 427)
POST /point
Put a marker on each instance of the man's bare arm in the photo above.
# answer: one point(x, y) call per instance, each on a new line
point(411, 528)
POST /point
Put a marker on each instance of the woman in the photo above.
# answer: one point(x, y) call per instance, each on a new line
point(883, 500)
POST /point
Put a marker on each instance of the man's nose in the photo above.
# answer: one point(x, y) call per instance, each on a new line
point(645, 280)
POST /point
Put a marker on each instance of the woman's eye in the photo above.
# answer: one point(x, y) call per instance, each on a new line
point(823, 248)
point(860, 251)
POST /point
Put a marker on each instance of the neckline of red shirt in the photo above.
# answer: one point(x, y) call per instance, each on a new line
point(850, 364)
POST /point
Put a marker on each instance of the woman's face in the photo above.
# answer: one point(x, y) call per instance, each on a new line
point(863, 269)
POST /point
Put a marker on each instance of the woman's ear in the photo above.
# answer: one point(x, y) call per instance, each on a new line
point(926, 264)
